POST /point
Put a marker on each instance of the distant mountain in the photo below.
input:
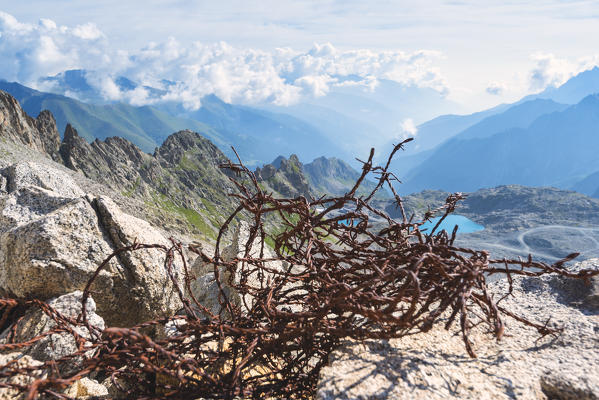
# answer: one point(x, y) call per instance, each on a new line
point(518, 116)
point(589, 185)
point(575, 89)
point(442, 128)
point(257, 135)
point(76, 83)
point(557, 149)
point(334, 177)
point(146, 127)
point(285, 177)
point(321, 177)
point(260, 135)
point(438, 130)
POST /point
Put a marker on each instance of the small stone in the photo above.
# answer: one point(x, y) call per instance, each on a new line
point(86, 388)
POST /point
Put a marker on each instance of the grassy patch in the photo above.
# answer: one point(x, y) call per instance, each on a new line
point(129, 193)
point(192, 217)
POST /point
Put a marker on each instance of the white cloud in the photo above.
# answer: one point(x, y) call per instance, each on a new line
point(87, 31)
point(407, 129)
point(496, 88)
point(554, 71)
point(238, 75)
point(31, 51)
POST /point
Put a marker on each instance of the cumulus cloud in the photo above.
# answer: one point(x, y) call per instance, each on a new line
point(407, 129)
point(552, 71)
point(87, 31)
point(496, 88)
point(236, 75)
point(30, 51)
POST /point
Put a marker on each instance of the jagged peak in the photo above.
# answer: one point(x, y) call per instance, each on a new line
point(16, 126)
point(70, 133)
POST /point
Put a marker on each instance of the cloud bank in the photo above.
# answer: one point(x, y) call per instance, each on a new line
point(552, 71)
point(186, 73)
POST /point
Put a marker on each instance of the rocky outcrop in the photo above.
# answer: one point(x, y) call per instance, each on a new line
point(16, 126)
point(285, 178)
point(86, 388)
point(181, 183)
point(53, 238)
point(434, 365)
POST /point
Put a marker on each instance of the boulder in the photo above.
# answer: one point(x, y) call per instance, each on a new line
point(149, 289)
point(56, 345)
point(53, 238)
point(435, 365)
point(52, 246)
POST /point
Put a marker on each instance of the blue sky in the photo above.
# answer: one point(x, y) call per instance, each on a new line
point(478, 52)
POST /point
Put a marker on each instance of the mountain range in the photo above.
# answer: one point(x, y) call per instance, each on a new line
point(558, 149)
point(526, 142)
point(257, 135)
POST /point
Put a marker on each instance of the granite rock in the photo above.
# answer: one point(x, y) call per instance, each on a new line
point(435, 365)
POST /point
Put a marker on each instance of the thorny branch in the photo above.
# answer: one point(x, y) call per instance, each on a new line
point(334, 274)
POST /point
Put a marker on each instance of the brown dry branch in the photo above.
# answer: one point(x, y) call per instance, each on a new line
point(334, 275)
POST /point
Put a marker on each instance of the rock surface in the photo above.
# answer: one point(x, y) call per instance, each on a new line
point(56, 345)
point(52, 239)
point(149, 288)
point(86, 388)
point(18, 360)
point(435, 365)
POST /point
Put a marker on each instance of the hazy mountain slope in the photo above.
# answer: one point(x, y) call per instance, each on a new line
point(439, 129)
point(589, 185)
point(575, 89)
point(436, 131)
point(518, 116)
point(353, 137)
point(557, 149)
point(259, 135)
point(147, 127)
point(334, 177)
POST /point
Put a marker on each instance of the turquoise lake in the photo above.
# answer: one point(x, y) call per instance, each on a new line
point(464, 224)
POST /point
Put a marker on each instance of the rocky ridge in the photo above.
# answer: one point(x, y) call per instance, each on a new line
point(16, 126)
point(180, 187)
point(285, 177)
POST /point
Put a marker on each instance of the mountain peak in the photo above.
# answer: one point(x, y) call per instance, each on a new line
point(16, 126)
point(576, 88)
